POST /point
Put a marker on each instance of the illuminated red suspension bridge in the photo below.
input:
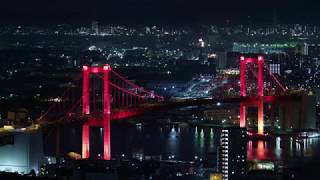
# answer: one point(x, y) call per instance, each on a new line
point(106, 96)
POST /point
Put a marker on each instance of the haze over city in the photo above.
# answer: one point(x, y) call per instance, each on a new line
point(160, 11)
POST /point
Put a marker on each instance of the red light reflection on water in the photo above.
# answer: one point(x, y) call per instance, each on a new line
point(258, 150)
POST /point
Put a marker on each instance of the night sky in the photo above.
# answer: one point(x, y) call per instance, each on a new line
point(160, 11)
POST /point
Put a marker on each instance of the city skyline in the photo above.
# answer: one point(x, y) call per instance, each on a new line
point(160, 89)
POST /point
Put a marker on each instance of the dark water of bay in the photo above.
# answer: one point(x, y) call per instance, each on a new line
point(179, 143)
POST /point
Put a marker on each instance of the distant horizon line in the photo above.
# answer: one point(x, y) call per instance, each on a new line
point(132, 24)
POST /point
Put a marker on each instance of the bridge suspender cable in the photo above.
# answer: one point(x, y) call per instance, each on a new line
point(277, 81)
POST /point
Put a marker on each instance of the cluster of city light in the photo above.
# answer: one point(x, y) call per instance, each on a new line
point(56, 100)
point(12, 128)
point(231, 72)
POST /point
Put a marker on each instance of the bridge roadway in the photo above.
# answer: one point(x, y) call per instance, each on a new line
point(167, 105)
point(205, 101)
point(124, 113)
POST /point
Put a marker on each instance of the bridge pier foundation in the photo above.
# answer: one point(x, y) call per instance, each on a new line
point(260, 118)
point(243, 117)
point(85, 141)
point(106, 138)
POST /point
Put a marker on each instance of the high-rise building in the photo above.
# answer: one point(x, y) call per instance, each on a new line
point(275, 17)
point(232, 158)
point(311, 49)
point(21, 152)
point(275, 69)
point(302, 118)
point(95, 27)
point(203, 55)
point(148, 30)
point(222, 60)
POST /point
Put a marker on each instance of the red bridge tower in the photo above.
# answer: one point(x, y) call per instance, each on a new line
point(104, 120)
point(243, 91)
